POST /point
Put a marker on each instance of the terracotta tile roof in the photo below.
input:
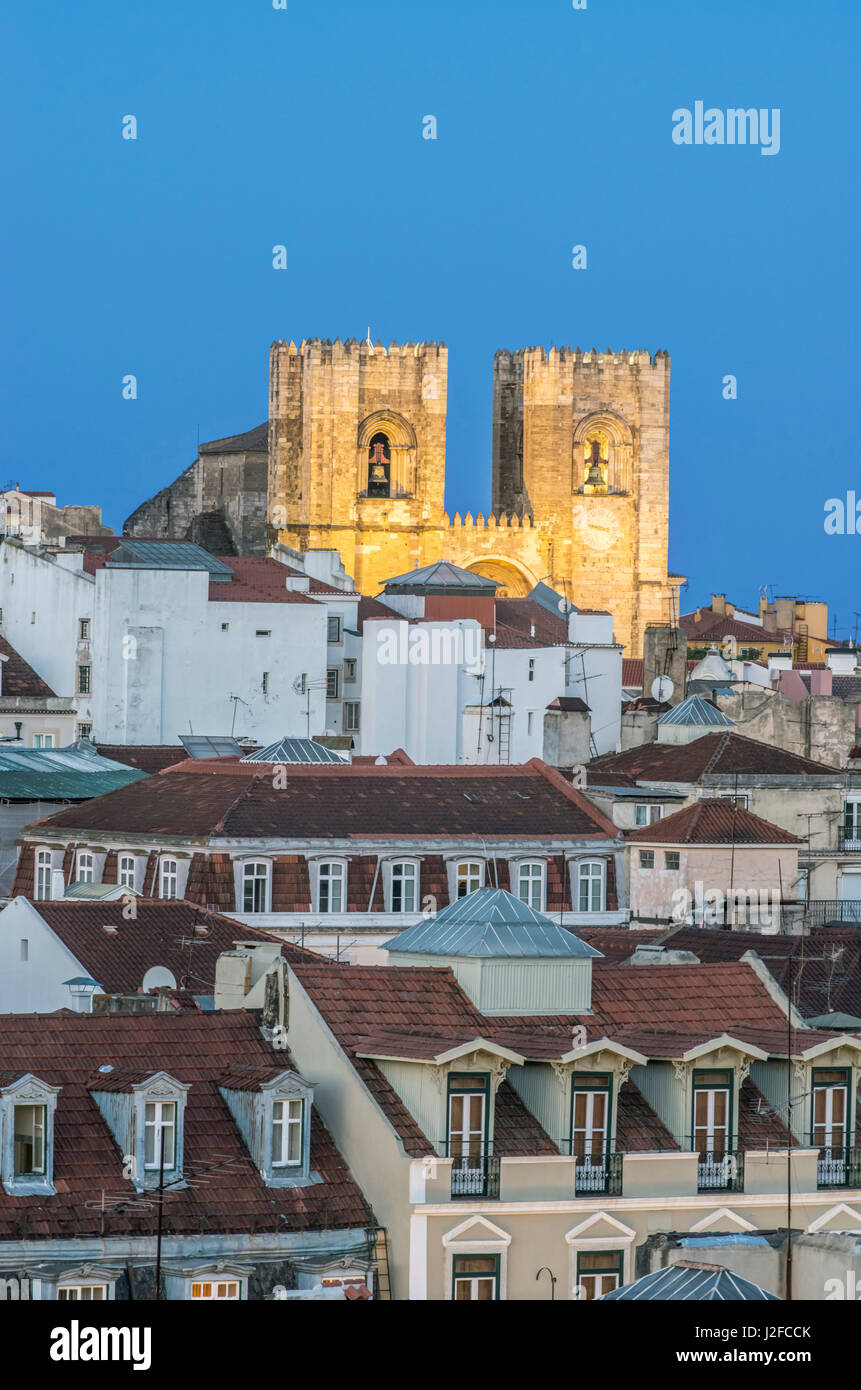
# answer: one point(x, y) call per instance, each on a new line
point(371, 609)
point(256, 580)
point(153, 757)
point(521, 614)
point(712, 821)
point(661, 1011)
point(228, 798)
point(638, 1128)
point(119, 961)
point(66, 1050)
point(722, 627)
point(570, 704)
point(757, 1127)
point(632, 671)
point(18, 677)
point(719, 753)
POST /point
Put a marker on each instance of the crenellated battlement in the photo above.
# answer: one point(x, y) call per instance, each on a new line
point(592, 357)
point(326, 348)
point(493, 521)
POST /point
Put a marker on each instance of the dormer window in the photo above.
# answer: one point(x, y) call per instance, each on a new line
point(85, 869)
point(126, 871)
point(160, 1135)
point(43, 875)
point(530, 885)
point(287, 1126)
point(469, 876)
point(591, 879)
point(403, 887)
point(168, 876)
point(255, 887)
point(330, 886)
point(274, 1118)
point(591, 1098)
point(27, 1124)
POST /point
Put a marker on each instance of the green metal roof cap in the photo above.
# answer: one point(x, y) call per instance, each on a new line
point(696, 710)
point(490, 923)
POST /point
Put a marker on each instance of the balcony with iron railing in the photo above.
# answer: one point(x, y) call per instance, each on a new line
point(839, 1166)
point(473, 1175)
point(819, 911)
point(721, 1171)
point(595, 1173)
point(849, 838)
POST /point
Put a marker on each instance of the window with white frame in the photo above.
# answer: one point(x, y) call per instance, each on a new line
point(599, 1272)
point(646, 814)
point(351, 716)
point(83, 629)
point(82, 1292)
point(84, 680)
point(29, 1148)
point(26, 1135)
point(475, 1278)
point(255, 887)
point(160, 1130)
point(530, 884)
point(126, 871)
point(350, 671)
point(168, 878)
point(221, 1288)
point(288, 1118)
point(531, 670)
point(43, 875)
point(333, 683)
point(330, 887)
point(469, 876)
point(333, 630)
point(672, 859)
point(404, 885)
point(591, 878)
point(43, 740)
point(85, 731)
point(85, 867)
point(647, 859)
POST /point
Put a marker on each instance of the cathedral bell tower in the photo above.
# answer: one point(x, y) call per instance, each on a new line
point(357, 452)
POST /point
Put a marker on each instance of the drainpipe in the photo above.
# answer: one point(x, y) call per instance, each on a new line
point(374, 885)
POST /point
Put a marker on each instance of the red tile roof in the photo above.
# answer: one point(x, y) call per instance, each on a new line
point(372, 609)
point(161, 934)
point(719, 753)
point(523, 614)
point(18, 677)
point(713, 821)
point(228, 798)
point(66, 1050)
point(662, 1011)
point(638, 1128)
point(256, 580)
point(704, 634)
point(152, 757)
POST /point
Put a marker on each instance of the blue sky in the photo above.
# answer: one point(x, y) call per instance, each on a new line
point(303, 127)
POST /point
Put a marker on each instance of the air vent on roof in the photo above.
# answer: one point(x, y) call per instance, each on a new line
point(524, 796)
point(200, 929)
point(106, 1066)
point(110, 929)
point(473, 797)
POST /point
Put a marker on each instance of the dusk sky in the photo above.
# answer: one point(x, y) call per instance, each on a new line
point(303, 127)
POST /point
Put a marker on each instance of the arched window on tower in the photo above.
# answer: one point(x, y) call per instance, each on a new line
point(379, 467)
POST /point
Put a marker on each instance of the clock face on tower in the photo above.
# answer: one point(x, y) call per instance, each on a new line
point(597, 526)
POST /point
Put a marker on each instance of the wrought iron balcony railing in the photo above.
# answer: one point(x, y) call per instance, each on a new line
point(598, 1173)
point(821, 910)
point(721, 1171)
point(839, 1167)
point(474, 1175)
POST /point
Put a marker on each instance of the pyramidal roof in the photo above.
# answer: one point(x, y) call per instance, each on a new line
point(490, 922)
point(442, 576)
point(696, 710)
point(294, 750)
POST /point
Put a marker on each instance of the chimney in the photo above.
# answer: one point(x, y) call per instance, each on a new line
point(820, 683)
point(232, 978)
point(769, 619)
point(842, 661)
point(779, 661)
point(719, 603)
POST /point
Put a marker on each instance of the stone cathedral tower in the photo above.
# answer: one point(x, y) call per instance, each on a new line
point(580, 470)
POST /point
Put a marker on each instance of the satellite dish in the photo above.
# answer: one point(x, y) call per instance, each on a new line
point(662, 689)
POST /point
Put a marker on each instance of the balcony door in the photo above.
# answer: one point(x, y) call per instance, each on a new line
point(852, 825)
point(830, 1131)
point(467, 1144)
point(712, 1127)
point(590, 1131)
